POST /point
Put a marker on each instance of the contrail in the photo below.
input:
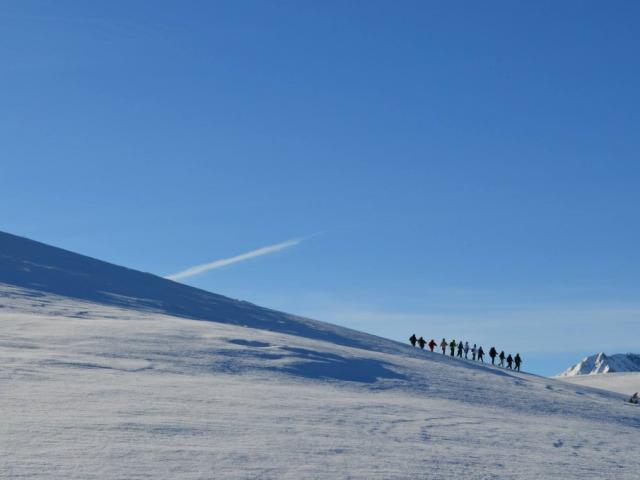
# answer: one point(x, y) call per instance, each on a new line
point(205, 267)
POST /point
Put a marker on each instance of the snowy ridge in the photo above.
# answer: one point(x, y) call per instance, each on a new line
point(602, 363)
point(35, 266)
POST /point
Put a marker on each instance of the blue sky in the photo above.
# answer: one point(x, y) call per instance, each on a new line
point(471, 167)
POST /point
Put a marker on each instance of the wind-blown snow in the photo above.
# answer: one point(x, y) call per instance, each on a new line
point(602, 363)
point(108, 373)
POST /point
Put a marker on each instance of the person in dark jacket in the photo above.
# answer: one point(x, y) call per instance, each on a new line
point(480, 354)
point(518, 361)
point(501, 357)
point(510, 362)
point(474, 352)
point(443, 346)
point(432, 344)
point(460, 349)
point(413, 340)
point(422, 342)
point(452, 346)
point(635, 398)
point(492, 353)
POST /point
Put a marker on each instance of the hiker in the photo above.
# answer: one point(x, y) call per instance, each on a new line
point(460, 349)
point(432, 344)
point(474, 349)
point(480, 354)
point(517, 360)
point(510, 362)
point(422, 343)
point(413, 340)
point(443, 346)
point(452, 346)
point(492, 353)
point(501, 357)
point(635, 398)
point(466, 350)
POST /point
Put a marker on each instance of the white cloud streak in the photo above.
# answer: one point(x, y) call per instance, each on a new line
point(205, 267)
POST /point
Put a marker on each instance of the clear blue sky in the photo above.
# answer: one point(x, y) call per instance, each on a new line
point(473, 166)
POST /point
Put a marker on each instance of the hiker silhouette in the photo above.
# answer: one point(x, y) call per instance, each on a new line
point(480, 354)
point(492, 353)
point(518, 361)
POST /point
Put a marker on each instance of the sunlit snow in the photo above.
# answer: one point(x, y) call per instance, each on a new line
point(108, 373)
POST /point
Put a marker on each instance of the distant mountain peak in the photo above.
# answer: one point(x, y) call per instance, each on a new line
point(603, 363)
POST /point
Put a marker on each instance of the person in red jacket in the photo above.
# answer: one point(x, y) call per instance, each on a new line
point(432, 344)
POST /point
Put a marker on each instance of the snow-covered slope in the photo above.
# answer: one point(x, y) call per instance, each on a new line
point(626, 383)
point(97, 388)
point(32, 265)
point(601, 363)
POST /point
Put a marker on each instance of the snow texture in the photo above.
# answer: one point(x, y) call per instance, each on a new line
point(601, 363)
point(108, 385)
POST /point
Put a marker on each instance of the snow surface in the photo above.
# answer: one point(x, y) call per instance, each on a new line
point(45, 269)
point(98, 392)
point(626, 383)
point(109, 373)
point(602, 363)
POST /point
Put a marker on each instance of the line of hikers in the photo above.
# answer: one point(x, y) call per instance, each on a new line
point(463, 348)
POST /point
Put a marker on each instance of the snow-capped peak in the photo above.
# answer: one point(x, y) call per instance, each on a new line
point(602, 363)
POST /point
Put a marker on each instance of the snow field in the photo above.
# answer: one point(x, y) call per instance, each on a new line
point(94, 392)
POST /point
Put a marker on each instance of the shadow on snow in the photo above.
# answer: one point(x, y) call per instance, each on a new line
point(42, 268)
point(324, 365)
